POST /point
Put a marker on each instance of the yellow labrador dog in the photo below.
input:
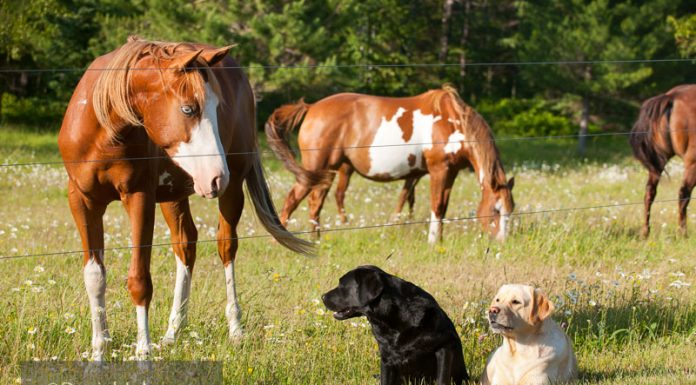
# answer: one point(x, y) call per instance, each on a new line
point(535, 350)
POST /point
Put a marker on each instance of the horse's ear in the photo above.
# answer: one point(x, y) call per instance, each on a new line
point(186, 60)
point(213, 56)
point(511, 183)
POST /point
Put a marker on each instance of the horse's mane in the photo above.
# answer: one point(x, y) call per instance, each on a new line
point(113, 89)
point(473, 125)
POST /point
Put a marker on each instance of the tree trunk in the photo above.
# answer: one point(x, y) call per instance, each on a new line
point(585, 114)
point(444, 38)
point(584, 122)
point(463, 40)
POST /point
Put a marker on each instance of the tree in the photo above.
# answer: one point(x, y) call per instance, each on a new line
point(585, 31)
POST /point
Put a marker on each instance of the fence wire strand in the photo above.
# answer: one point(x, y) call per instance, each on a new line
point(502, 139)
point(341, 229)
point(371, 66)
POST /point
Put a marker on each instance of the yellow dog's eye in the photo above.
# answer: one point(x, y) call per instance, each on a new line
point(516, 302)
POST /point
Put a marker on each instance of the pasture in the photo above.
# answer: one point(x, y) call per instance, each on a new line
point(629, 305)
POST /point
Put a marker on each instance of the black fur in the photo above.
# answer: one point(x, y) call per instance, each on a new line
point(417, 341)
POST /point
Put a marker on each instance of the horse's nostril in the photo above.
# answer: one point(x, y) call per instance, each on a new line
point(215, 185)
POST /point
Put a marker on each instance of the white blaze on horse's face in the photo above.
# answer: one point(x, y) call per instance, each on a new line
point(202, 156)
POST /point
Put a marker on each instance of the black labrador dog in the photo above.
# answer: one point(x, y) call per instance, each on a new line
point(417, 341)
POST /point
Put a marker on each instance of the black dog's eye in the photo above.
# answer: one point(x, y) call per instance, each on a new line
point(516, 302)
point(188, 110)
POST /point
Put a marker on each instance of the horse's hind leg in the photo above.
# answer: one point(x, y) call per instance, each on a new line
point(316, 202)
point(141, 212)
point(231, 204)
point(650, 193)
point(295, 196)
point(408, 194)
point(685, 191)
point(88, 218)
point(344, 173)
point(184, 237)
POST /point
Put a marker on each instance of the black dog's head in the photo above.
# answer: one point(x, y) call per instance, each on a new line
point(356, 290)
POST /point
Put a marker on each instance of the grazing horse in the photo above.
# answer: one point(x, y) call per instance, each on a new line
point(386, 139)
point(666, 126)
point(156, 122)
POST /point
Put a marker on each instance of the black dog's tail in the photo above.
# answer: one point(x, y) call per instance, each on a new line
point(645, 130)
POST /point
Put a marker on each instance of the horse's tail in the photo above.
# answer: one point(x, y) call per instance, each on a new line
point(265, 210)
point(281, 122)
point(644, 147)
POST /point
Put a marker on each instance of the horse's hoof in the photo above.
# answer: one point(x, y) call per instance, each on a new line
point(168, 340)
point(236, 335)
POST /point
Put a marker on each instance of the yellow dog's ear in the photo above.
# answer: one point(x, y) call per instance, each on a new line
point(542, 308)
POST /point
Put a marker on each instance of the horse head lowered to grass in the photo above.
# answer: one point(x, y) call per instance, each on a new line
point(387, 139)
point(154, 122)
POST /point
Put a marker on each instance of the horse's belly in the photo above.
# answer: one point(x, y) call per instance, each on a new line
point(394, 162)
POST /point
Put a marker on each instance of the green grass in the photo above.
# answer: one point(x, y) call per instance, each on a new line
point(632, 319)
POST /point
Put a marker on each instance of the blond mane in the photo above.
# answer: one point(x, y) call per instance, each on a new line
point(473, 125)
point(113, 89)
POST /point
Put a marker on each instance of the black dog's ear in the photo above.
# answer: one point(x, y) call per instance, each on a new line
point(370, 285)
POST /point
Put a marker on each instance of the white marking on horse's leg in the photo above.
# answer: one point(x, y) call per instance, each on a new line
point(232, 310)
point(182, 290)
point(142, 347)
point(95, 283)
point(202, 156)
point(504, 217)
point(434, 232)
point(481, 176)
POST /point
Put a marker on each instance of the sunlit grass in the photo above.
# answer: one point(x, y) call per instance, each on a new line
point(629, 305)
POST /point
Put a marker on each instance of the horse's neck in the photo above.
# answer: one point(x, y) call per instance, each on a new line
point(483, 163)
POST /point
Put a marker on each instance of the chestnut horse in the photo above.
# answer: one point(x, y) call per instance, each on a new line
point(155, 122)
point(386, 139)
point(666, 127)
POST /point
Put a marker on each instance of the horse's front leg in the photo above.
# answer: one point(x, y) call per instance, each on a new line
point(141, 211)
point(441, 181)
point(88, 218)
point(231, 204)
point(184, 237)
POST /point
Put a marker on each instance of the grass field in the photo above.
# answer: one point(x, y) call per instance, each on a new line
point(629, 305)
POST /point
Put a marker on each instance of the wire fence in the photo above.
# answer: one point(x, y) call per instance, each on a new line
point(342, 229)
point(366, 66)
point(370, 66)
point(303, 150)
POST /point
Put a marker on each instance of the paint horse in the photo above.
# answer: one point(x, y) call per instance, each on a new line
point(386, 139)
point(156, 122)
point(666, 127)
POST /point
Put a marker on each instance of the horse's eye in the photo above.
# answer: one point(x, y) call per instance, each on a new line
point(516, 302)
point(188, 110)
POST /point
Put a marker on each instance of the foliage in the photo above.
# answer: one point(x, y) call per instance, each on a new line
point(685, 34)
point(526, 117)
point(311, 49)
